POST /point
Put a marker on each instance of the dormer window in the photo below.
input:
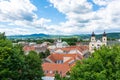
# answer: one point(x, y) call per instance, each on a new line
point(60, 72)
point(50, 72)
point(46, 71)
point(59, 61)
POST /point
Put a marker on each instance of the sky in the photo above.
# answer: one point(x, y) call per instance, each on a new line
point(59, 17)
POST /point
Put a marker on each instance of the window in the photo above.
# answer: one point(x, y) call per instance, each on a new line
point(92, 44)
point(46, 72)
point(98, 44)
point(50, 72)
point(59, 61)
point(54, 72)
point(60, 72)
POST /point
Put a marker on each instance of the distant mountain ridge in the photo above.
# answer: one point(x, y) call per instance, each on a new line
point(40, 35)
point(112, 35)
point(83, 36)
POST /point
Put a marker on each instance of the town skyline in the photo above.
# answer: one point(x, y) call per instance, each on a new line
point(59, 17)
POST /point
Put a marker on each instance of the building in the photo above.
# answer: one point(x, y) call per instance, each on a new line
point(59, 63)
point(73, 50)
point(35, 47)
point(50, 69)
point(96, 44)
point(58, 44)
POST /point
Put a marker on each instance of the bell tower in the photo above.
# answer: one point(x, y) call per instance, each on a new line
point(93, 39)
point(104, 38)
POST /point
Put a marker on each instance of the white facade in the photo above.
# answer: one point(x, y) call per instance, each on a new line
point(60, 44)
point(96, 44)
point(48, 78)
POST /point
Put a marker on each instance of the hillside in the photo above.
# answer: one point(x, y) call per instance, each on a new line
point(83, 36)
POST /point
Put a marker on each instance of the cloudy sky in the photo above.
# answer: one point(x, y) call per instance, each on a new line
point(59, 16)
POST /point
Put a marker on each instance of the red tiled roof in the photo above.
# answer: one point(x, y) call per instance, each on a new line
point(62, 68)
point(50, 69)
point(55, 57)
point(80, 48)
point(28, 48)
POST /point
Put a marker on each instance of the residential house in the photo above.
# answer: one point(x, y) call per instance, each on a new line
point(73, 50)
point(35, 47)
point(58, 44)
point(59, 63)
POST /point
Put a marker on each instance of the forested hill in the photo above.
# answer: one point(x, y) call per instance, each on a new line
point(83, 36)
point(111, 35)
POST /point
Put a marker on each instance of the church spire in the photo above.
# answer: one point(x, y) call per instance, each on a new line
point(104, 34)
point(93, 34)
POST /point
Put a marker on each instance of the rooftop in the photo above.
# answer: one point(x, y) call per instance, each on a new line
point(51, 68)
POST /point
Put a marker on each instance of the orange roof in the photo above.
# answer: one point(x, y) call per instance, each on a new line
point(80, 48)
point(50, 69)
point(55, 57)
point(28, 48)
point(62, 68)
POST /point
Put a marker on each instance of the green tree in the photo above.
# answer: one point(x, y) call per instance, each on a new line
point(47, 53)
point(44, 54)
point(104, 64)
point(10, 61)
point(70, 41)
point(58, 77)
point(32, 67)
point(14, 65)
point(2, 36)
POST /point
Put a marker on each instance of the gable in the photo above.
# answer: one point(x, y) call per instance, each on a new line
point(59, 51)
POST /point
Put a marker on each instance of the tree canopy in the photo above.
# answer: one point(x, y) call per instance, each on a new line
point(104, 64)
point(14, 65)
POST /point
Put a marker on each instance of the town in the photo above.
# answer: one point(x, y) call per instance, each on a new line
point(59, 39)
point(59, 57)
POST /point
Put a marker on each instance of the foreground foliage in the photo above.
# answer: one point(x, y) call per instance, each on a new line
point(14, 65)
point(104, 64)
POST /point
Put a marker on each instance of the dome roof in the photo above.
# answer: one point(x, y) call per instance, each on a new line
point(64, 43)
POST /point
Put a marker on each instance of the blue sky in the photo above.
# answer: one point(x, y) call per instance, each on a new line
point(46, 10)
point(20, 17)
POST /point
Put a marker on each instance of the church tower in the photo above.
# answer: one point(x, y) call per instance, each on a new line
point(59, 43)
point(93, 39)
point(104, 38)
point(59, 40)
point(92, 43)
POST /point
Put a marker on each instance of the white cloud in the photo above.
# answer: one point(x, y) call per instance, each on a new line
point(16, 10)
point(41, 22)
point(20, 13)
point(67, 6)
point(80, 17)
point(102, 2)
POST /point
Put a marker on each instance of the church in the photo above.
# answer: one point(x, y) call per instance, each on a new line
point(96, 44)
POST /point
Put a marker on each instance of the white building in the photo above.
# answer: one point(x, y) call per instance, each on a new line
point(96, 44)
point(48, 78)
point(60, 44)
